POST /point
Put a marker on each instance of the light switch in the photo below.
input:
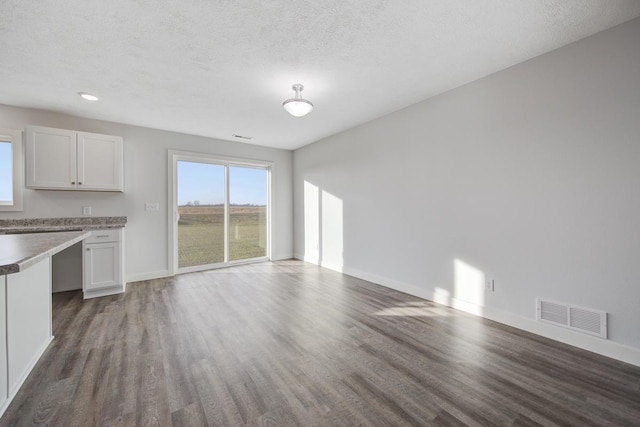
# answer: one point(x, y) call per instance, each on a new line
point(86, 210)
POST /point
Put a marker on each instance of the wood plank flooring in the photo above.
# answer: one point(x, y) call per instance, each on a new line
point(288, 343)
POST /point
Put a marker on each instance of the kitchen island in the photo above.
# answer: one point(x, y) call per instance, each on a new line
point(25, 303)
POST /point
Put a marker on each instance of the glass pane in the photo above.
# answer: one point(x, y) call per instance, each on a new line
point(247, 212)
point(6, 173)
point(201, 208)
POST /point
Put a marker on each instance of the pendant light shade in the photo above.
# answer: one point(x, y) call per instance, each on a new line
point(297, 106)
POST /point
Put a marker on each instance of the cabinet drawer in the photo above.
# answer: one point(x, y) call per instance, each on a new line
point(103, 236)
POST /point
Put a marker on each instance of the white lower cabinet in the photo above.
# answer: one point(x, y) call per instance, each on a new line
point(25, 323)
point(103, 263)
point(4, 376)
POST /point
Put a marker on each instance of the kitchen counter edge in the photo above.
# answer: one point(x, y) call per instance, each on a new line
point(36, 247)
point(39, 225)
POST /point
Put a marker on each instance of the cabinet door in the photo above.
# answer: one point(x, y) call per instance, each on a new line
point(4, 385)
point(28, 318)
point(99, 162)
point(51, 158)
point(102, 266)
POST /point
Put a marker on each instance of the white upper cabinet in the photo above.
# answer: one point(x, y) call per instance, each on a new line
point(101, 165)
point(60, 159)
point(51, 158)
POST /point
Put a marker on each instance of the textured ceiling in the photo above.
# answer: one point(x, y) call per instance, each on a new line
point(223, 67)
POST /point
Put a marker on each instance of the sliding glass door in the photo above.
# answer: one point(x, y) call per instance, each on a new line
point(247, 212)
point(220, 212)
point(201, 221)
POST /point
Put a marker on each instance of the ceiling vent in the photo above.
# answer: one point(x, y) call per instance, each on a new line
point(242, 136)
point(586, 320)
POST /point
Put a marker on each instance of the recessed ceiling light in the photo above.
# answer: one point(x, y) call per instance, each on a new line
point(88, 96)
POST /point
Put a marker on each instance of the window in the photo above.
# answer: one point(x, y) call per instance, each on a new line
point(11, 172)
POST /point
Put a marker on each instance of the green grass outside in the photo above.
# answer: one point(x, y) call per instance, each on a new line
point(201, 234)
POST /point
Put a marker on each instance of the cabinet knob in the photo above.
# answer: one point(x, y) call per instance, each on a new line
point(73, 183)
point(79, 183)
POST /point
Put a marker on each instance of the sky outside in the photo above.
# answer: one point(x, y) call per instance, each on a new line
point(204, 182)
point(6, 184)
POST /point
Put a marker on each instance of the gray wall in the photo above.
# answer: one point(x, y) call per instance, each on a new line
point(529, 177)
point(146, 180)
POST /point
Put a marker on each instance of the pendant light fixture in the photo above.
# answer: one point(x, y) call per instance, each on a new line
point(297, 106)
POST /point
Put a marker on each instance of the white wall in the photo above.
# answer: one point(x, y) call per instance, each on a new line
point(530, 177)
point(145, 158)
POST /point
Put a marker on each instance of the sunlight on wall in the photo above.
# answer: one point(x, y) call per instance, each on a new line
point(468, 283)
point(323, 228)
point(331, 231)
point(311, 223)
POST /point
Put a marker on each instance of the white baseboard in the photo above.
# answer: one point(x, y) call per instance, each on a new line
point(280, 257)
point(159, 274)
point(597, 345)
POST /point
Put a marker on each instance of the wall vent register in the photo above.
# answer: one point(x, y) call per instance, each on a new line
point(586, 320)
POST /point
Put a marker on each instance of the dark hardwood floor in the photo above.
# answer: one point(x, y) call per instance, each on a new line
point(289, 343)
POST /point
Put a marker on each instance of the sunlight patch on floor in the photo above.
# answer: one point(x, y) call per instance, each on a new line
point(414, 309)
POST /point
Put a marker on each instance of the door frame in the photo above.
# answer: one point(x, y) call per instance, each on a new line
point(174, 156)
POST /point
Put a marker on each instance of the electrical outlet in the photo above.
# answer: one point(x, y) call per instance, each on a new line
point(490, 285)
point(86, 210)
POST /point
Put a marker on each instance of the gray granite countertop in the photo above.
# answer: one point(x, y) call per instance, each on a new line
point(34, 225)
point(20, 251)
